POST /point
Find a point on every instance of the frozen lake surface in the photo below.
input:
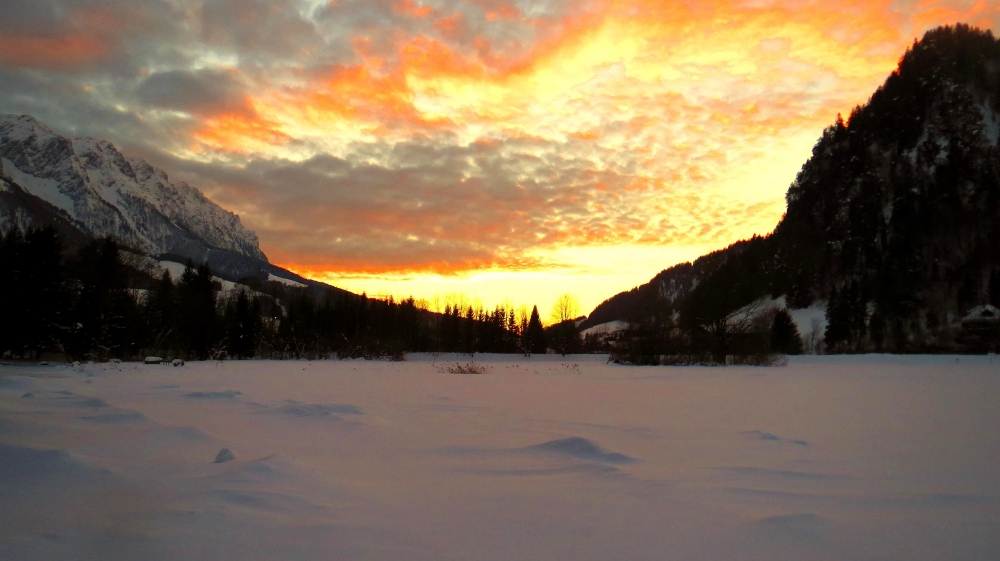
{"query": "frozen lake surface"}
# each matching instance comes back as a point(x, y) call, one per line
point(548, 458)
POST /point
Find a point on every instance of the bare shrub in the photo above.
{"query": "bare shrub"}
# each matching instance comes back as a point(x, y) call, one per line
point(469, 368)
point(706, 359)
point(373, 351)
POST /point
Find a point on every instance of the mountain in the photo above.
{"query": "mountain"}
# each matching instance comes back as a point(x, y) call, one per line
point(893, 223)
point(664, 293)
point(86, 188)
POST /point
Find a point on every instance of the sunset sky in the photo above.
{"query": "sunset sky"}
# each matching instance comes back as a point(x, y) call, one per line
point(501, 149)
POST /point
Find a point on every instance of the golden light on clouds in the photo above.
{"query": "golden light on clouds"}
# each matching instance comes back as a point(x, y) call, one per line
point(509, 150)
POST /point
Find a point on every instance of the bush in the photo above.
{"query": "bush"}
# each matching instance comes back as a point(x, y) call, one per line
point(758, 359)
point(470, 368)
point(373, 351)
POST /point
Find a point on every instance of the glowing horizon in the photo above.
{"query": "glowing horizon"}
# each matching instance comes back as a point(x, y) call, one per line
point(512, 151)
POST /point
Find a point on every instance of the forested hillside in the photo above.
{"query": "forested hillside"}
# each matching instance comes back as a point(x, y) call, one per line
point(893, 221)
point(101, 302)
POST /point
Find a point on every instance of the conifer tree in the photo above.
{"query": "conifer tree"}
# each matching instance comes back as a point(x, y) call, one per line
point(198, 317)
point(42, 288)
point(535, 334)
point(105, 315)
point(785, 336)
point(12, 300)
point(244, 324)
point(469, 332)
point(160, 313)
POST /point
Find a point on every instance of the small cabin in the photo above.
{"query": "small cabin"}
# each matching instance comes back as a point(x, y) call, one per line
point(981, 318)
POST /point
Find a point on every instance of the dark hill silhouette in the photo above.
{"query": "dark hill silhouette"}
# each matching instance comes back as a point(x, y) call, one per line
point(893, 221)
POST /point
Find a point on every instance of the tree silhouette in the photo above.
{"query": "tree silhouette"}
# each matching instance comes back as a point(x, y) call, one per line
point(785, 336)
point(31, 291)
point(535, 334)
point(106, 321)
point(566, 307)
point(197, 313)
point(160, 313)
point(243, 325)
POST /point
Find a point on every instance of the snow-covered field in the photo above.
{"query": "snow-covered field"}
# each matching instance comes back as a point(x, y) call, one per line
point(839, 458)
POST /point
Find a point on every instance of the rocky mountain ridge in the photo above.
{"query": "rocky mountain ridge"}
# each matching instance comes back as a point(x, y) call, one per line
point(86, 188)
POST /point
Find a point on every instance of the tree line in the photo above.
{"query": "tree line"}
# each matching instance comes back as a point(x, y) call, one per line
point(104, 301)
point(706, 333)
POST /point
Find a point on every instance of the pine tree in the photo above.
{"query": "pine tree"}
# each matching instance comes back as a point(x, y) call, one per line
point(785, 336)
point(535, 334)
point(12, 301)
point(160, 313)
point(243, 325)
point(994, 288)
point(106, 315)
point(469, 332)
point(198, 319)
point(42, 289)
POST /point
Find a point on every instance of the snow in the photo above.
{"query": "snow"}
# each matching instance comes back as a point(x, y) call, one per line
point(282, 280)
point(811, 322)
point(177, 269)
point(23, 127)
point(604, 328)
point(983, 311)
point(143, 208)
point(806, 318)
point(829, 458)
point(45, 189)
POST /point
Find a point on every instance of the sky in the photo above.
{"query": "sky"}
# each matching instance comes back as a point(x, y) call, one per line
point(509, 151)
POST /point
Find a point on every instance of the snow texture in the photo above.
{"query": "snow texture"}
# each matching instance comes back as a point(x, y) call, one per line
point(176, 270)
point(45, 189)
point(604, 328)
point(829, 458)
point(110, 194)
point(282, 280)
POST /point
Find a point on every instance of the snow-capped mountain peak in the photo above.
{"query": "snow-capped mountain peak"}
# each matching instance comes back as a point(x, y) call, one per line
point(104, 193)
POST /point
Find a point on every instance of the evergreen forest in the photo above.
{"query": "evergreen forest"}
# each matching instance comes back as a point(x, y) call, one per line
point(104, 302)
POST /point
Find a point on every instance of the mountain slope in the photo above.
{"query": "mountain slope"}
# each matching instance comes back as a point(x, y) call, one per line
point(664, 293)
point(895, 219)
point(86, 188)
point(91, 184)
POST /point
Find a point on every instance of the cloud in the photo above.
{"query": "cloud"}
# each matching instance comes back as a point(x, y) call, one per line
point(204, 92)
point(258, 29)
point(51, 52)
point(402, 136)
point(427, 206)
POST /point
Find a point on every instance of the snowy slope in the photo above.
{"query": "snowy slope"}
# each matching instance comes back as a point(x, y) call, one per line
point(605, 328)
point(284, 281)
point(108, 194)
point(542, 458)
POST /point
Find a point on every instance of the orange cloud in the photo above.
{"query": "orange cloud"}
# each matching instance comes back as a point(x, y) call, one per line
point(239, 133)
point(52, 52)
point(466, 138)
point(452, 26)
point(411, 8)
point(505, 11)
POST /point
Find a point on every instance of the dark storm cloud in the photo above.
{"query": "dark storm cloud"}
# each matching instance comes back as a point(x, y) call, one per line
point(63, 103)
point(258, 28)
point(199, 92)
point(89, 38)
point(29, 16)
